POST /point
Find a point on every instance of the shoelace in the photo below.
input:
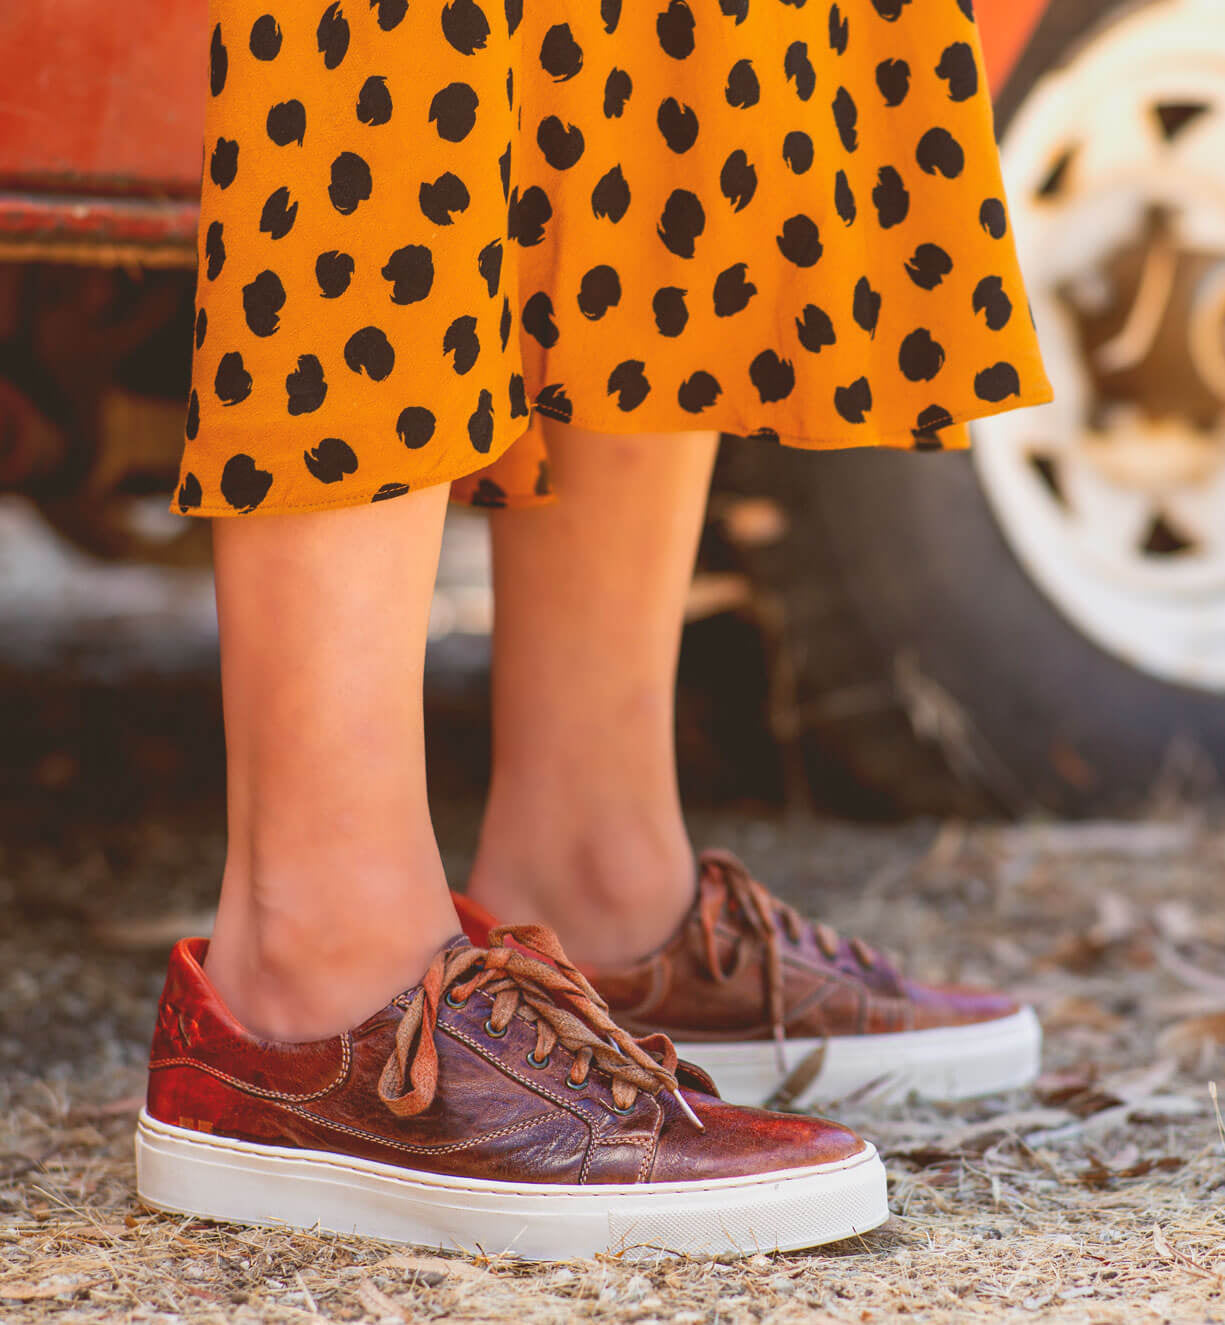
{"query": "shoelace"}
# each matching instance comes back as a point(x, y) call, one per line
point(726, 888)
point(551, 993)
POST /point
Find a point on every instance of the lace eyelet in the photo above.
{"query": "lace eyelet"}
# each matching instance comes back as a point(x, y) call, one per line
point(576, 1085)
point(453, 1002)
point(622, 1112)
point(496, 1035)
point(533, 1061)
point(863, 954)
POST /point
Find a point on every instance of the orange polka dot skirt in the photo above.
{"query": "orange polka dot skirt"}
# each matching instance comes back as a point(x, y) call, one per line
point(426, 224)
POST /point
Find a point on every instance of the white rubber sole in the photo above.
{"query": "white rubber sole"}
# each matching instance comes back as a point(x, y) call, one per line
point(947, 1063)
point(213, 1177)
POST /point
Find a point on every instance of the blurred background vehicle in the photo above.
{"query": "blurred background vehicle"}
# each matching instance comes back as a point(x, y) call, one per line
point(1040, 623)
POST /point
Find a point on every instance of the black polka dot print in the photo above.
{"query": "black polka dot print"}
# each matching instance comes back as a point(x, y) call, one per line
point(428, 226)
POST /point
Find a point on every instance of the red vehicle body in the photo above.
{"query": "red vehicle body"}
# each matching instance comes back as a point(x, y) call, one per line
point(100, 124)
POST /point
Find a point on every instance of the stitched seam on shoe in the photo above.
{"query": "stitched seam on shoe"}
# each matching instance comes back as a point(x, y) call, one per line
point(422, 1150)
point(649, 1147)
point(537, 1088)
point(797, 963)
point(636, 1140)
point(653, 1155)
point(648, 1155)
point(816, 999)
point(248, 1088)
point(585, 1172)
point(232, 1144)
point(830, 979)
point(534, 1086)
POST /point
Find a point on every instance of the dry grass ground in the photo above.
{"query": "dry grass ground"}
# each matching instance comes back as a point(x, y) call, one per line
point(1096, 1198)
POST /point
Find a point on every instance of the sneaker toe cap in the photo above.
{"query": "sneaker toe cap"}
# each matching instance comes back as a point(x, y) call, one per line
point(958, 1005)
point(740, 1142)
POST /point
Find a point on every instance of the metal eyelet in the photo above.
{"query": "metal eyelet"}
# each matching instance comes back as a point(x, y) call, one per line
point(576, 1085)
point(453, 1002)
point(489, 1030)
point(622, 1112)
point(533, 1061)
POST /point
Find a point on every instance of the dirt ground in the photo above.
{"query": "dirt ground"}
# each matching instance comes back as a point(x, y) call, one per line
point(1097, 1197)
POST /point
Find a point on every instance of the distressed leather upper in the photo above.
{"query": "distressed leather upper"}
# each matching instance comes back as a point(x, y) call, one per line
point(494, 1114)
point(744, 966)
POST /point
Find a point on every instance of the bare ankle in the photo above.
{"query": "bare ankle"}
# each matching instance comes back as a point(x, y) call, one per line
point(320, 968)
point(611, 898)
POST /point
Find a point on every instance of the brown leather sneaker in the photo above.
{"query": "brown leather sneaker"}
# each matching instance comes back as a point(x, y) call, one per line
point(496, 1105)
point(778, 1009)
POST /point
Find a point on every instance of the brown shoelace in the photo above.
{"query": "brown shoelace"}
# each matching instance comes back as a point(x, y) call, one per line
point(551, 993)
point(726, 888)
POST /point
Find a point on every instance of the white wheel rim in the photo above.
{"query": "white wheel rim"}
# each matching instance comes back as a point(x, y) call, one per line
point(1113, 499)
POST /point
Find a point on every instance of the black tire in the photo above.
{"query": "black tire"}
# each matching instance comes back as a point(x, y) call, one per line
point(925, 672)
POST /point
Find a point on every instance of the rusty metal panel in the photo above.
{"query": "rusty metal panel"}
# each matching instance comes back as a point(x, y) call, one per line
point(1006, 27)
point(101, 122)
point(106, 230)
point(102, 98)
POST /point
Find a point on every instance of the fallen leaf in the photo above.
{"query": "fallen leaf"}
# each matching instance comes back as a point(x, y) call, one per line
point(1125, 1158)
point(1074, 1010)
point(23, 1290)
point(977, 1135)
point(1178, 966)
point(1167, 1252)
point(1118, 918)
point(431, 1269)
point(925, 1157)
point(1098, 1175)
point(1162, 1247)
point(1138, 1083)
point(1176, 921)
point(1075, 1090)
point(1194, 1037)
point(377, 1303)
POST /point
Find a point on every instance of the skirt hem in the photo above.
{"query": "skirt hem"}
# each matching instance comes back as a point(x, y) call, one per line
point(895, 440)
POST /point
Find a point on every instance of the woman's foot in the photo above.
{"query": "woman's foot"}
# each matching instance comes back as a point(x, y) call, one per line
point(458, 1115)
point(779, 1009)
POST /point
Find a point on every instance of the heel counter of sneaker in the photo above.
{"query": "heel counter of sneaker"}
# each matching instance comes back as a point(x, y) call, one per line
point(179, 1091)
point(208, 1073)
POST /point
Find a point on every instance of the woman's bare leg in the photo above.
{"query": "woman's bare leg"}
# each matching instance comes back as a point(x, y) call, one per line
point(583, 830)
point(333, 898)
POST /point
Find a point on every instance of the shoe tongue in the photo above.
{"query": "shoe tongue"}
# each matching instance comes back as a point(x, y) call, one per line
point(406, 995)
